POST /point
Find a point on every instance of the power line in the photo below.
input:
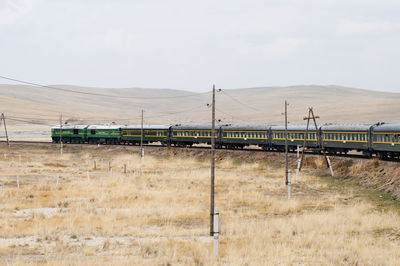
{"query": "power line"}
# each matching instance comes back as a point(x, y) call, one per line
point(100, 94)
point(27, 121)
point(240, 102)
point(36, 120)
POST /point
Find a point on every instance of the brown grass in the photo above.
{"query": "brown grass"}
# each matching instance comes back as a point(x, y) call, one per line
point(157, 213)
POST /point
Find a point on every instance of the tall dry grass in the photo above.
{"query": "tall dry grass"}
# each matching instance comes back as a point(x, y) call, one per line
point(157, 213)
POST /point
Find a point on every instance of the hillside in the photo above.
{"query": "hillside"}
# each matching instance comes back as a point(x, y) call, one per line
point(334, 104)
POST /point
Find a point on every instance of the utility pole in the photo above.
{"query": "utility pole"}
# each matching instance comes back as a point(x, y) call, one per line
point(61, 144)
point(314, 118)
point(286, 147)
point(212, 162)
point(141, 139)
point(3, 118)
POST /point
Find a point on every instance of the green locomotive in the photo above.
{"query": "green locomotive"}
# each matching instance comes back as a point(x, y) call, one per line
point(69, 133)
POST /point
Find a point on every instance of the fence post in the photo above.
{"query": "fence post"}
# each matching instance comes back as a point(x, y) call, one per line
point(328, 161)
point(289, 185)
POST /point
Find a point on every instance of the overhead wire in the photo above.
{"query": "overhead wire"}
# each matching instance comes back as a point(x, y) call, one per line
point(240, 102)
point(101, 94)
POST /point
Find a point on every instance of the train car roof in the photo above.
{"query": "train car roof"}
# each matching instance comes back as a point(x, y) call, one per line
point(193, 127)
point(311, 127)
point(387, 127)
point(245, 127)
point(346, 127)
point(68, 126)
point(146, 126)
point(104, 126)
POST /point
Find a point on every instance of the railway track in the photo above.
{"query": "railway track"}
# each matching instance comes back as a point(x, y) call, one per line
point(352, 155)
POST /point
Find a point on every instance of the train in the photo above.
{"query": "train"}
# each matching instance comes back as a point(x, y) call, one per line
point(380, 139)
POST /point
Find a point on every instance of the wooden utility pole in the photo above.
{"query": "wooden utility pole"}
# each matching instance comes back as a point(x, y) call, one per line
point(286, 147)
point(61, 144)
point(212, 162)
point(3, 119)
point(141, 139)
point(310, 116)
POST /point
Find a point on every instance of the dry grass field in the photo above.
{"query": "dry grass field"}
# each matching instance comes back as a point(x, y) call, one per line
point(66, 212)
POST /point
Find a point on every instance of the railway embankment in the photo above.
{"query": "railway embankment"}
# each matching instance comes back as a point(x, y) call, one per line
point(383, 176)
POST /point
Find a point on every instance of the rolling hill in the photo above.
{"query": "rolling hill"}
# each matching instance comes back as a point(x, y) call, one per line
point(32, 108)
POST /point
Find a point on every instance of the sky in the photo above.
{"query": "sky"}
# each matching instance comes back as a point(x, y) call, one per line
point(190, 45)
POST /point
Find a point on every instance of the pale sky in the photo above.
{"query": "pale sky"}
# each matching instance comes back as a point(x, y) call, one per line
point(192, 44)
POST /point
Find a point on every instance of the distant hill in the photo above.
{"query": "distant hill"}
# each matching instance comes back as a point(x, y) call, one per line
point(334, 104)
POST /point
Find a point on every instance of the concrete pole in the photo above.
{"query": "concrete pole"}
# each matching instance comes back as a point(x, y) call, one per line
point(141, 139)
point(286, 146)
point(61, 144)
point(216, 233)
point(212, 163)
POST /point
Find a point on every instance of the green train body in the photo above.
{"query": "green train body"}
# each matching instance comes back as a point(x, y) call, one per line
point(104, 134)
point(386, 140)
point(379, 139)
point(344, 138)
point(240, 136)
point(296, 134)
point(189, 135)
point(131, 134)
point(69, 133)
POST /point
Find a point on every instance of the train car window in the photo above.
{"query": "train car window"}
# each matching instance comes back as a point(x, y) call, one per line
point(93, 131)
point(76, 132)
